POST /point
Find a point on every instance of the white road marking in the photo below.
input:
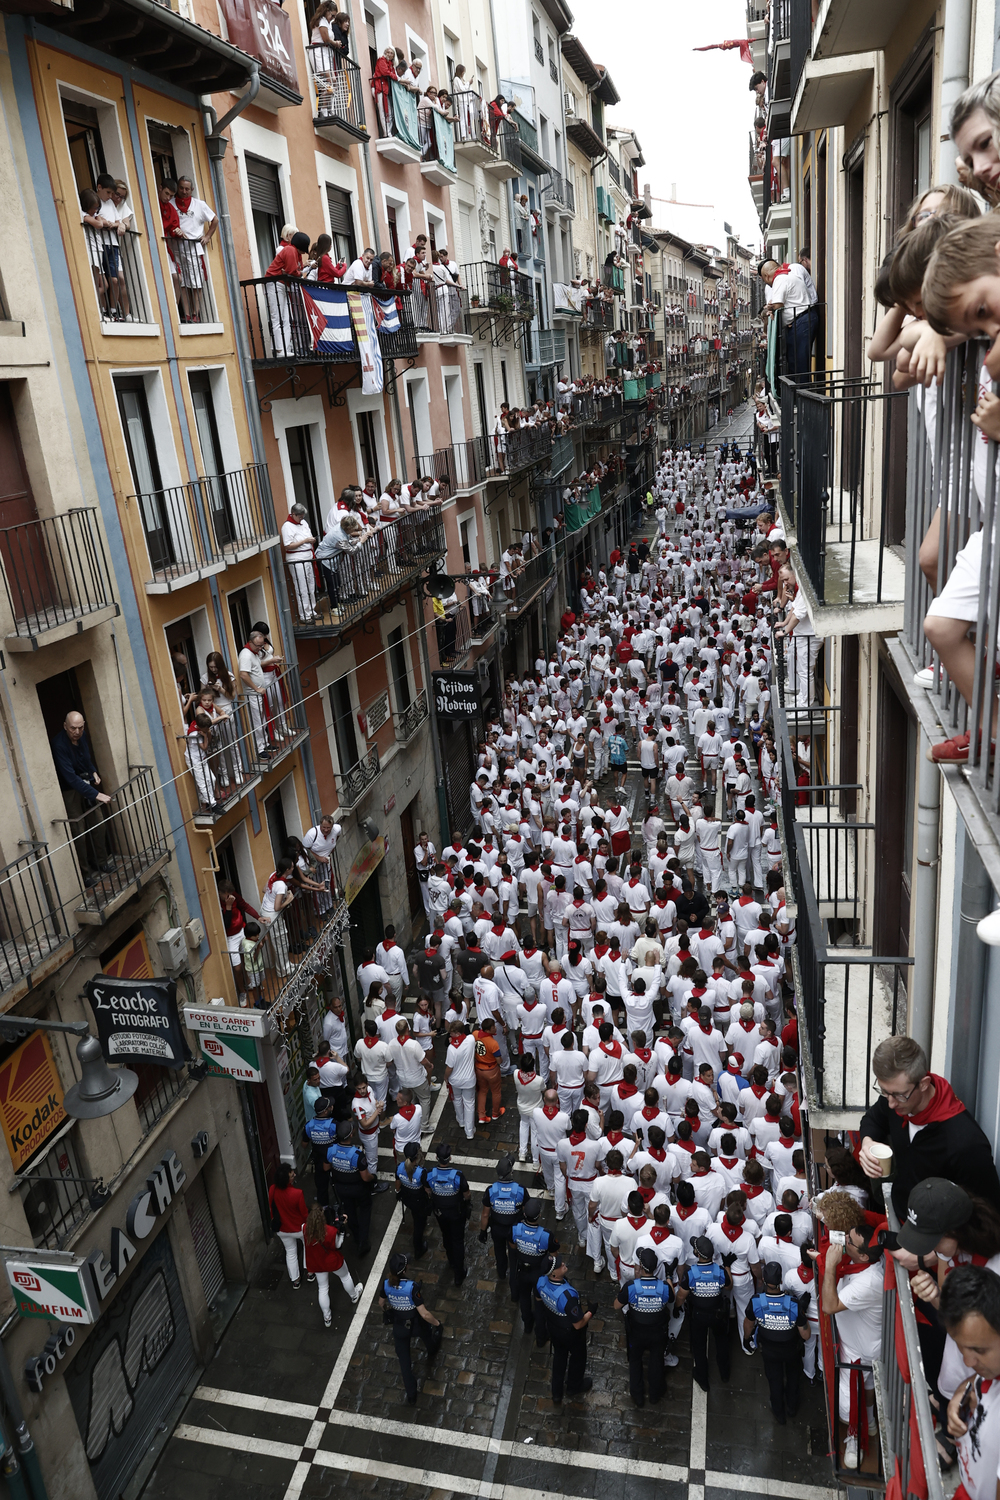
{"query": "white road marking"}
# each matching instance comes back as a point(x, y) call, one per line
point(699, 1425)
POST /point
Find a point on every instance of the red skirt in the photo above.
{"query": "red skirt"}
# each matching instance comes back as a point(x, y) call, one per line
point(621, 841)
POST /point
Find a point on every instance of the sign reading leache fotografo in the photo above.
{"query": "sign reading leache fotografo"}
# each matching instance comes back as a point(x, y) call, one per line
point(456, 695)
point(31, 1096)
point(137, 1020)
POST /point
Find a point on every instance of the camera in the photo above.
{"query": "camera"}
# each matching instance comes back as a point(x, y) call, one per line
point(838, 1237)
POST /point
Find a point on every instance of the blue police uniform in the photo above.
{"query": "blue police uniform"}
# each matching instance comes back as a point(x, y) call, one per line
point(321, 1132)
point(412, 1193)
point(347, 1162)
point(557, 1308)
point(647, 1314)
point(402, 1302)
point(505, 1200)
point(708, 1314)
point(531, 1246)
point(779, 1318)
point(447, 1187)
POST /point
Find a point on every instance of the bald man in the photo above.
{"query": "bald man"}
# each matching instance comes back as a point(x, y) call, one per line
point(84, 799)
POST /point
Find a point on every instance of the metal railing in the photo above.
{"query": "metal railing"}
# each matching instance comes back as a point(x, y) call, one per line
point(258, 730)
point(440, 307)
point(562, 453)
point(484, 135)
point(32, 921)
point(55, 571)
point(409, 720)
point(191, 281)
point(583, 407)
point(454, 634)
point(56, 1197)
point(350, 583)
point(539, 53)
point(337, 89)
point(781, 23)
point(526, 446)
point(116, 267)
point(527, 583)
point(614, 171)
point(117, 843)
point(196, 526)
point(614, 277)
point(396, 114)
point(353, 784)
point(158, 1088)
point(553, 71)
point(299, 928)
point(283, 328)
point(486, 615)
point(508, 141)
point(597, 314)
point(462, 466)
point(548, 346)
point(498, 290)
point(437, 138)
point(559, 190)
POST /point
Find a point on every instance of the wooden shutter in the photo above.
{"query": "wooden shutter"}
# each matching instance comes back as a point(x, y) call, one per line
point(265, 188)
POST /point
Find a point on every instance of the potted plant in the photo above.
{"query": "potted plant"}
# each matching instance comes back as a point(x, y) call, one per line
point(503, 302)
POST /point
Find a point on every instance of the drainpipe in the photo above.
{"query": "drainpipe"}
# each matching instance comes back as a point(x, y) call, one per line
point(217, 144)
point(970, 976)
point(925, 899)
point(956, 44)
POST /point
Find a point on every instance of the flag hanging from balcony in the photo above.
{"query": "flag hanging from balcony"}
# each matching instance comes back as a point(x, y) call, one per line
point(743, 44)
point(330, 305)
point(386, 315)
point(366, 337)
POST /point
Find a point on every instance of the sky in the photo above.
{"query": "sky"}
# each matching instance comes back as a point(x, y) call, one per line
point(692, 111)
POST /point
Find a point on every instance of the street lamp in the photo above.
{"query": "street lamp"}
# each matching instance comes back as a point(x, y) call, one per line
point(101, 1089)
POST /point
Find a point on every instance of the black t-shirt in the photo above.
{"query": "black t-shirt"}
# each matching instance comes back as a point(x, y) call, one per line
point(430, 972)
point(692, 908)
point(470, 962)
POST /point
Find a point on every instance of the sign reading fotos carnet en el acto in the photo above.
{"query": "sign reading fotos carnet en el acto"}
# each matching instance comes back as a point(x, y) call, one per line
point(456, 695)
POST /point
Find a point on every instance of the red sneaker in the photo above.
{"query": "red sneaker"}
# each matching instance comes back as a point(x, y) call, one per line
point(503, 1111)
point(951, 752)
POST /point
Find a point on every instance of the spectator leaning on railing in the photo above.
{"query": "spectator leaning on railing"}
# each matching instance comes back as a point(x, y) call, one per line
point(928, 1127)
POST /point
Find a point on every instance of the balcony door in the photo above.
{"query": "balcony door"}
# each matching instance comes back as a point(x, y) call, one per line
point(303, 467)
point(145, 468)
point(265, 208)
point(217, 493)
point(22, 549)
point(342, 710)
point(345, 246)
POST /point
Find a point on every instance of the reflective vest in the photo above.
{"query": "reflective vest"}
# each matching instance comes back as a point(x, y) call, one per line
point(400, 1298)
point(506, 1200)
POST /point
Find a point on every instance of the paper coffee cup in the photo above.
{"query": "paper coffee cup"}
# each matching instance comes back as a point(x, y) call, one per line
point(883, 1155)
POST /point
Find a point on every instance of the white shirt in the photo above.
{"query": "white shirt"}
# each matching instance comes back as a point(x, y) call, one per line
point(356, 271)
point(860, 1327)
point(195, 220)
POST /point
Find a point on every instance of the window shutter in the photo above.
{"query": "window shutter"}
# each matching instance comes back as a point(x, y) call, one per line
point(265, 189)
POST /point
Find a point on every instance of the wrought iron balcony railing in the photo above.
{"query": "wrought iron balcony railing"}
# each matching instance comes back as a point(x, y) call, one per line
point(197, 528)
point(338, 100)
point(33, 924)
point(119, 283)
point(353, 784)
point(409, 720)
point(560, 190)
point(441, 308)
point(454, 635)
point(462, 466)
point(353, 582)
point(130, 831)
point(292, 322)
point(56, 577)
point(499, 291)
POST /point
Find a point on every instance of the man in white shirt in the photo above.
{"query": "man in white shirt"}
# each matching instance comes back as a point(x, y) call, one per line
point(736, 1248)
point(297, 542)
point(373, 1059)
point(357, 272)
point(460, 1076)
point(413, 1065)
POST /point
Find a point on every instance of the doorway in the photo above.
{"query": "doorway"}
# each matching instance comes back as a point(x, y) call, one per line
point(408, 840)
point(145, 469)
point(58, 696)
point(213, 466)
point(367, 926)
point(303, 467)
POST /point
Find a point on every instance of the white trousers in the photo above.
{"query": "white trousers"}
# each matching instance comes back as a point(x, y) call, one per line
point(526, 1136)
point(370, 1142)
point(711, 868)
point(570, 1099)
point(533, 1046)
point(737, 872)
point(742, 1294)
point(291, 1243)
point(255, 702)
point(579, 1202)
point(809, 1356)
point(464, 1100)
point(554, 1179)
point(323, 1288)
point(801, 652)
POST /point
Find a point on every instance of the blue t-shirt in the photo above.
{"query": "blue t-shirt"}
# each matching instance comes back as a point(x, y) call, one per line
point(618, 750)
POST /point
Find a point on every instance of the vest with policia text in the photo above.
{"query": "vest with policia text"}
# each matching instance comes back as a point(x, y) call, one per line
point(445, 1184)
point(505, 1199)
point(776, 1316)
point(707, 1285)
point(400, 1299)
point(346, 1164)
point(649, 1301)
point(531, 1245)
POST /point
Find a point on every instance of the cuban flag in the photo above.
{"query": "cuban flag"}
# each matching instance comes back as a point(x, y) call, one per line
point(329, 317)
point(386, 315)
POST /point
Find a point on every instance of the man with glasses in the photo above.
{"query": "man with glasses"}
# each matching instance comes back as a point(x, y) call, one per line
point(929, 1129)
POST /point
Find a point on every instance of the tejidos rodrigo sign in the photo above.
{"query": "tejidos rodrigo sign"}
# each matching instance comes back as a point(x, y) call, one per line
point(456, 695)
point(137, 1020)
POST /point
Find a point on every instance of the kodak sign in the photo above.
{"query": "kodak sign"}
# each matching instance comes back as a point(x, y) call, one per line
point(31, 1098)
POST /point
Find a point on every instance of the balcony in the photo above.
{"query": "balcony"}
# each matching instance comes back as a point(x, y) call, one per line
point(462, 466)
point(614, 172)
point(56, 578)
point(338, 100)
point(842, 488)
point(353, 583)
point(487, 614)
point(305, 323)
point(584, 408)
point(529, 583)
point(397, 122)
point(633, 390)
point(440, 312)
point(559, 194)
point(196, 529)
point(614, 277)
point(261, 731)
point(609, 409)
point(437, 148)
point(553, 71)
point(354, 784)
point(132, 825)
point(600, 315)
point(33, 930)
point(828, 90)
point(519, 450)
point(454, 635)
point(408, 721)
point(507, 162)
point(539, 52)
point(473, 138)
point(547, 347)
point(119, 283)
point(846, 26)
point(498, 291)
point(562, 454)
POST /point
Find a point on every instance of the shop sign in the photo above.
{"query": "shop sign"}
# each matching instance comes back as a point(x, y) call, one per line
point(43, 1289)
point(387, 807)
point(456, 695)
point(40, 1365)
point(225, 1020)
point(369, 858)
point(137, 1020)
point(31, 1096)
point(371, 720)
point(233, 1057)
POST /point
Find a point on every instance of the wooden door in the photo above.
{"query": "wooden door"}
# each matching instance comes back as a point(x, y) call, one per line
point(408, 840)
point(22, 546)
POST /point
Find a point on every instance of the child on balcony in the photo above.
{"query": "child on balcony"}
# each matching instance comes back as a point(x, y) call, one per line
point(196, 753)
point(92, 222)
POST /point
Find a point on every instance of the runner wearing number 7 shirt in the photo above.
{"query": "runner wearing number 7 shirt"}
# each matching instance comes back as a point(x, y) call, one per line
point(577, 1157)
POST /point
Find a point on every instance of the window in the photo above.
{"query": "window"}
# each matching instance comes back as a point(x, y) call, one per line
point(213, 465)
point(161, 148)
point(158, 1088)
point(371, 38)
point(390, 214)
point(369, 449)
point(141, 447)
point(463, 536)
point(503, 380)
point(265, 207)
point(343, 723)
point(277, 828)
point(484, 422)
point(54, 1201)
point(338, 204)
point(399, 669)
point(86, 148)
point(303, 467)
point(189, 642)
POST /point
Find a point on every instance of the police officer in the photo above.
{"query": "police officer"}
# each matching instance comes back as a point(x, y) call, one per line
point(411, 1190)
point(703, 1288)
point(321, 1133)
point(561, 1321)
point(782, 1329)
point(352, 1182)
point(646, 1303)
point(451, 1202)
point(531, 1248)
point(503, 1202)
point(402, 1303)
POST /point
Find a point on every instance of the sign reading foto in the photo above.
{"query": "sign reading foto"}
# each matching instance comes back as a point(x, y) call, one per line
point(44, 1290)
point(137, 1020)
point(225, 1020)
point(31, 1096)
point(456, 695)
point(233, 1057)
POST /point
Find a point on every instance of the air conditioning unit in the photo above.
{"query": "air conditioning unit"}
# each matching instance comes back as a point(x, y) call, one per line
point(569, 105)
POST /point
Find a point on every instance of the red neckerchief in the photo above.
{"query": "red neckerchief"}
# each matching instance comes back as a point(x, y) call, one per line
point(683, 954)
point(636, 1223)
point(614, 1136)
point(183, 204)
point(428, 953)
point(773, 1042)
point(731, 1231)
point(498, 931)
point(804, 1273)
point(406, 1110)
point(747, 1026)
point(706, 1030)
point(687, 1146)
point(589, 1104)
point(649, 1112)
point(728, 1161)
point(658, 1153)
point(705, 1173)
point(759, 1090)
point(625, 1090)
point(634, 882)
point(456, 1041)
point(645, 1053)
point(601, 948)
point(524, 1076)
point(704, 933)
point(550, 1111)
point(578, 904)
point(577, 1137)
point(371, 1041)
point(530, 1004)
point(612, 1048)
point(945, 1104)
point(615, 810)
point(685, 1213)
point(390, 1011)
point(388, 944)
point(771, 1119)
point(646, 1193)
point(751, 1192)
point(786, 1140)
point(783, 1239)
point(528, 952)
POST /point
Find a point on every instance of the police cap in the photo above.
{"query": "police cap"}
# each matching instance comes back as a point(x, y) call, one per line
point(397, 1265)
point(345, 1130)
point(505, 1165)
point(531, 1210)
point(647, 1259)
point(773, 1273)
point(703, 1247)
point(411, 1151)
point(443, 1151)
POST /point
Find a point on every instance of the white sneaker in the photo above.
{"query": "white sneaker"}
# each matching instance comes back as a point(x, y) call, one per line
point(851, 1453)
point(359, 1287)
point(670, 1360)
point(599, 1265)
point(924, 678)
point(522, 1156)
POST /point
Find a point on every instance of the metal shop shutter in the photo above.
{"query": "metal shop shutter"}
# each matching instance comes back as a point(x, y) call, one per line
point(206, 1244)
